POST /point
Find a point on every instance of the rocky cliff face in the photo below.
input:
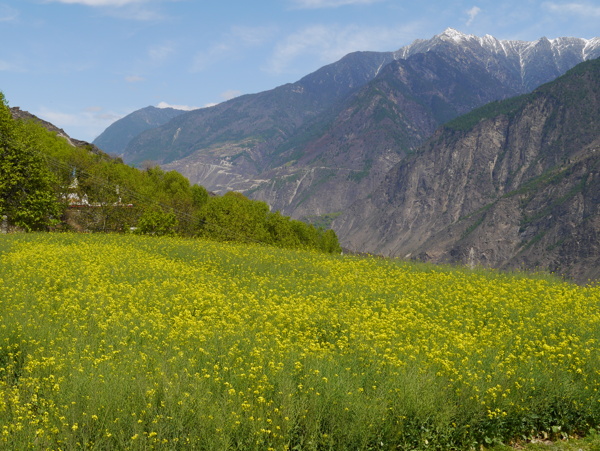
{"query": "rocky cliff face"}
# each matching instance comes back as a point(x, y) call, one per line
point(514, 184)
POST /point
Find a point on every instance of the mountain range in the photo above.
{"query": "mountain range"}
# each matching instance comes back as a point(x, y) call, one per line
point(514, 184)
point(328, 146)
point(310, 148)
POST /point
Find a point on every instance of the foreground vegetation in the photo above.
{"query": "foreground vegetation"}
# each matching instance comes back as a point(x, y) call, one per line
point(589, 443)
point(134, 342)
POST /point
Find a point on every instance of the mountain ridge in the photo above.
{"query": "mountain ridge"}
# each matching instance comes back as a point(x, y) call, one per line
point(241, 144)
point(117, 136)
point(377, 127)
point(246, 122)
point(473, 86)
point(560, 54)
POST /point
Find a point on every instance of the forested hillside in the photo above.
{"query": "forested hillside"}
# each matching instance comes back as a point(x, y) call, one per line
point(47, 183)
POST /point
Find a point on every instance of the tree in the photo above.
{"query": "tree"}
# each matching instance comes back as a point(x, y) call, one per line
point(281, 231)
point(27, 196)
point(156, 221)
point(330, 243)
point(234, 217)
point(199, 196)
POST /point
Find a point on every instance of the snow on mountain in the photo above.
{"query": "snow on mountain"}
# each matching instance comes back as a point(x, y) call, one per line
point(531, 63)
point(591, 48)
point(588, 48)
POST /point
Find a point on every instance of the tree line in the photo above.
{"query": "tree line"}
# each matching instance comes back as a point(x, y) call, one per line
point(48, 184)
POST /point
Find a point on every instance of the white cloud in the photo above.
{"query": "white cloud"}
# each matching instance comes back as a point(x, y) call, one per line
point(138, 13)
point(177, 107)
point(122, 9)
point(7, 13)
point(160, 53)
point(100, 2)
point(85, 125)
point(231, 44)
point(58, 118)
point(250, 36)
point(330, 43)
point(225, 95)
point(204, 59)
point(472, 13)
point(5, 66)
point(230, 94)
point(316, 4)
point(134, 79)
point(579, 9)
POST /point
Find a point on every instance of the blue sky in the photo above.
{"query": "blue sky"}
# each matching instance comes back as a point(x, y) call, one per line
point(82, 64)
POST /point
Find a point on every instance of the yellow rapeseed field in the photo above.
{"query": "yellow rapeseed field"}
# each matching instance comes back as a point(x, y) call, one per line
point(129, 342)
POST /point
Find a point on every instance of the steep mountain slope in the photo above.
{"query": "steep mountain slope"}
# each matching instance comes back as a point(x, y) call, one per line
point(118, 135)
point(348, 152)
point(347, 155)
point(240, 132)
point(515, 183)
point(18, 113)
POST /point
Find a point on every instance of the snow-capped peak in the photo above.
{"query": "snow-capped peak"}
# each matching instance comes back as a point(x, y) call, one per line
point(454, 35)
point(549, 56)
point(491, 44)
point(590, 50)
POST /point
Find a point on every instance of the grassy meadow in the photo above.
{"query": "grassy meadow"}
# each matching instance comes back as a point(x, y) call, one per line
point(131, 342)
